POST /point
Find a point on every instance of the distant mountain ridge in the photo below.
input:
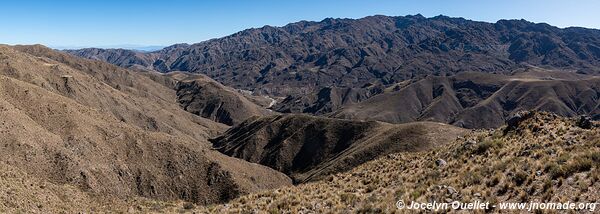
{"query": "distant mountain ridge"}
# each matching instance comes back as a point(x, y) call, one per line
point(478, 100)
point(306, 56)
point(142, 48)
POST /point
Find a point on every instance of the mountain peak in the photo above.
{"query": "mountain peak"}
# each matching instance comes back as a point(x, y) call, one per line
point(353, 52)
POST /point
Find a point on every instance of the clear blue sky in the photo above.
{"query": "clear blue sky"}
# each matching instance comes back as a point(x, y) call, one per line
point(111, 22)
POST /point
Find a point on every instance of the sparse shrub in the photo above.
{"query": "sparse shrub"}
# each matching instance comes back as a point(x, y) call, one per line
point(274, 210)
point(503, 189)
point(501, 166)
point(483, 147)
point(547, 185)
point(520, 177)
point(523, 196)
point(472, 178)
point(487, 145)
point(494, 181)
point(368, 208)
point(594, 157)
point(434, 175)
point(548, 196)
point(188, 205)
point(417, 193)
point(596, 143)
point(563, 158)
point(582, 186)
point(370, 188)
point(554, 170)
point(580, 164)
point(594, 176)
point(348, 198)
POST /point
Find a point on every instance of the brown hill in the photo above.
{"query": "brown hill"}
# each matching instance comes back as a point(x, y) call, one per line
point(309, 148)
point(326, 100)
point(305, 56)
point(478, 100)
point(121, 57)
point(543, 158)
point(127, 95)
point(203, 96)
point(97, 129)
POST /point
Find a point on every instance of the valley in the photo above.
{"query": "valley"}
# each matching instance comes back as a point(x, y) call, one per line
point(334, 116)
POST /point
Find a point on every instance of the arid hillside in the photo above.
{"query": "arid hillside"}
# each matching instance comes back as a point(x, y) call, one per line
point(479, 100)
point(98, 130)
point(308, 148)
point(326, 100)
point(207, 98)
point(538, 157)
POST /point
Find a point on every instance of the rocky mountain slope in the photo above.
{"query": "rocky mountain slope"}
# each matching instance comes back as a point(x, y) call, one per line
point(305, 56)
point(105, 133)
point(478, 100)
point(207, 98)
point(539, 157)
point(121, 57)
point(326, 100)
point(308, 148)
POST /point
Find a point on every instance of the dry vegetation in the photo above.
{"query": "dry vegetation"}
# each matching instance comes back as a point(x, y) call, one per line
point(308, 148)
point(90, 132)
point(545, 158)
point(77, 135)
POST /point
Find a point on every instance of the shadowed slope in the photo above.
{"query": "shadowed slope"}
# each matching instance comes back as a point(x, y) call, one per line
point(308, 148)
point(542, 158)
point(205, 97)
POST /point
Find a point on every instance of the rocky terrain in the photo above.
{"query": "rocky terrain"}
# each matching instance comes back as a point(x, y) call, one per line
point(306, 56)
point(121, 57)
point(341, 115)
point(539, 157)
point(392, 69)
point(75, 131)
point(479, 100)
point(308, 148)
point(207, 98)
point(326, 100)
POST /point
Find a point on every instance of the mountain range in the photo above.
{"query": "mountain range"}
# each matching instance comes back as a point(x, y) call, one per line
point(397, 69)
point(306, 56)
point(86, 135)
point(346, 115)
point(140, 48)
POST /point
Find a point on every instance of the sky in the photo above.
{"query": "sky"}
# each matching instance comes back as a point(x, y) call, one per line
point(116, 23)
